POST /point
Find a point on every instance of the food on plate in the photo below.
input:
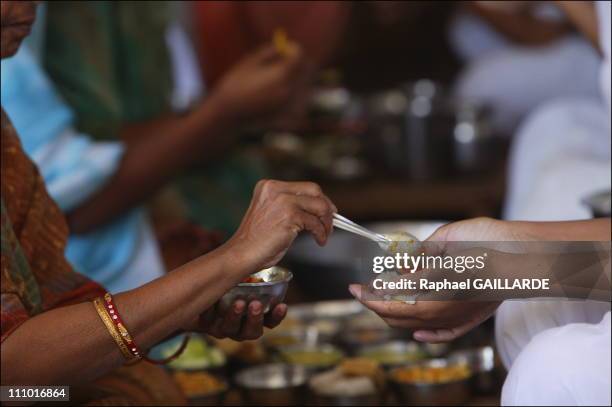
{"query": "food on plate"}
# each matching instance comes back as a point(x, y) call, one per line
point(198, 384)
point(315, 356)
point(355, 377)
point(245, 351)
point(197, 355)
point(393, 356)
point(431, 374)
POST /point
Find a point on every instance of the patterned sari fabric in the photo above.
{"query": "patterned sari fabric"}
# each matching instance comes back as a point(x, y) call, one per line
point(37, 278)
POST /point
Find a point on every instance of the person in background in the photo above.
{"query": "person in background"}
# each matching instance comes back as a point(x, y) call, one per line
point(518, 55)
point(102, 185)
point(127, 93)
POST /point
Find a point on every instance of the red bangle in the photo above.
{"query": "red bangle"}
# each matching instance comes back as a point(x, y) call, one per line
point(116, 318)
point(129, 341)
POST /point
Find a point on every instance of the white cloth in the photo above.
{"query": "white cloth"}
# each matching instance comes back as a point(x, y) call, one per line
point(514, 79)
point(558, 351)
point(563, 353)
point(560, 155)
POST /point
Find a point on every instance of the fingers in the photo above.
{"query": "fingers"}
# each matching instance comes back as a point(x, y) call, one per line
point(385, 309)
point(443, 335)
point(275, 317)
point(252, 327)
point(232, 319)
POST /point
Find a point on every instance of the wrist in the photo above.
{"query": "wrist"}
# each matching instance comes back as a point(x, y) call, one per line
point(224, 109)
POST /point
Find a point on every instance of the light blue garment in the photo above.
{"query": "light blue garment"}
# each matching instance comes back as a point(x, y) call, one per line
point(73, 166)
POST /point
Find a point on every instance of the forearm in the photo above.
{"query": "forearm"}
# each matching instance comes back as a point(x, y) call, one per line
point(580, 230)
point(155, 152)
point(71, 345)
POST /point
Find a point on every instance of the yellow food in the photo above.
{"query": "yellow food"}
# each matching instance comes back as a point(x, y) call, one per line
point(198, 384)
point(431, 374)
point(359, 367)
point(282, 43)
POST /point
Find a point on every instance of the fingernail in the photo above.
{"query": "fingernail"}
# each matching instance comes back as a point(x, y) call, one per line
point(255, 310)
point(355, 291)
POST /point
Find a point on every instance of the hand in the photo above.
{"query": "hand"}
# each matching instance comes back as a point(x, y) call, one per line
point(240, 322)
point(262, 83)
point(442, 321)
point(278, 212)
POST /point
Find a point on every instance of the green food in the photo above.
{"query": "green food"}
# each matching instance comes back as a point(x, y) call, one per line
point(197, 355)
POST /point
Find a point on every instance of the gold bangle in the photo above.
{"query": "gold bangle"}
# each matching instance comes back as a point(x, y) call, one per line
point(106, 319)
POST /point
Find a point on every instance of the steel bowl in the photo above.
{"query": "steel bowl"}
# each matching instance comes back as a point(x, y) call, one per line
point(405, 352)
point(270, 292)
point(445, 393)
point(481, 361)
point(334, 356)
point(273, 384)
point(275, 340)
point(599, 203)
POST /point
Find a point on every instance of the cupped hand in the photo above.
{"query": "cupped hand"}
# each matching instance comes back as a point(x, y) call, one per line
point(278, 212)
point(443, 321)
point(241, 321)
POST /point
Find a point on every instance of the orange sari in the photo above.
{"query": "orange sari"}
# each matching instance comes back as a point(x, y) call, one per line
point(36, 277)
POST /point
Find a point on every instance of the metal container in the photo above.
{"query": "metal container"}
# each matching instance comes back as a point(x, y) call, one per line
point(446, 393)
point(276, 340)
point(599, 203)
point(419, 131)
point(394, 353)
point(481, 361)
point(273, 384)
point(308, 356)
point(270, 292)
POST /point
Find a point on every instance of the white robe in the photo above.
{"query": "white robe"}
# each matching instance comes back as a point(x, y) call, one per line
point(558, 352)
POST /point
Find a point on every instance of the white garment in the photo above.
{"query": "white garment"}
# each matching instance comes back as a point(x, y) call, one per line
point(558, 351)
point(564, 354)
point(560, 155)
point(513, 79)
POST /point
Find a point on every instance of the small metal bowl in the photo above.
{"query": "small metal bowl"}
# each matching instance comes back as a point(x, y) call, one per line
point(269, 292)
point(445, 393)
point(358, 338)
point(394, 353)
point(303, 335)
point(332, 356)
point(273, 384)
point(486, 379)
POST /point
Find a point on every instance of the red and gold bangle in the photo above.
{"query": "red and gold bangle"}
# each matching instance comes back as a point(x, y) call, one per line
point(118, 322)
point(112, 330)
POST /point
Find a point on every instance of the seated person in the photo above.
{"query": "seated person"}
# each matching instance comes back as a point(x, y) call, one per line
point(509, 50)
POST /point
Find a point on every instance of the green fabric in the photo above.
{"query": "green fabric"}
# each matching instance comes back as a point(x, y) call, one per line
point(110, 61)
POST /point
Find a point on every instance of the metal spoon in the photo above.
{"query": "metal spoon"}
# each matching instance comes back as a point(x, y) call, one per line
point(385, 243)
point(343, 223)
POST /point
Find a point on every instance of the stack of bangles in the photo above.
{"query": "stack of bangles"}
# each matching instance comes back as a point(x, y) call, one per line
point(108, 313)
